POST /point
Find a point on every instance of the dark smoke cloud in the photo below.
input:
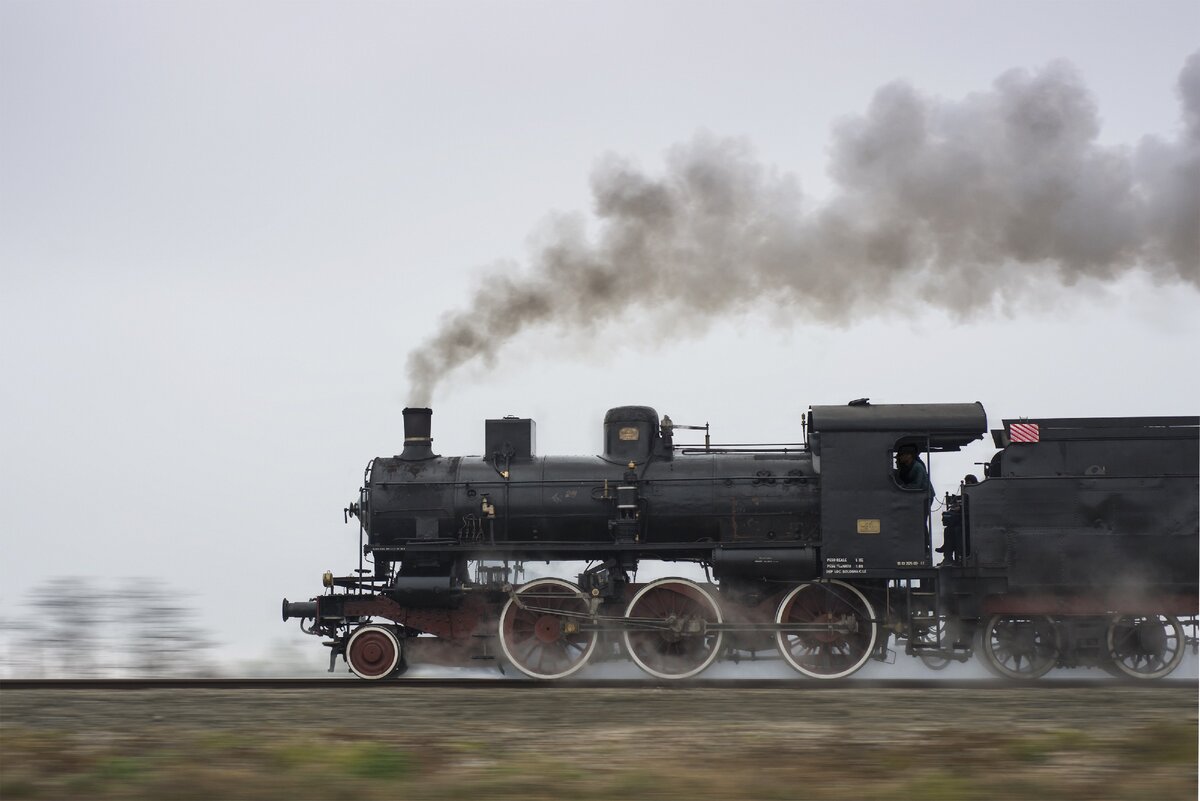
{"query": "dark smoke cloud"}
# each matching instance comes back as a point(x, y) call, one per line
point(962, 205)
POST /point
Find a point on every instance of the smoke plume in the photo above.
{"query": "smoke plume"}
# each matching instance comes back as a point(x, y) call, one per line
point(958, 204)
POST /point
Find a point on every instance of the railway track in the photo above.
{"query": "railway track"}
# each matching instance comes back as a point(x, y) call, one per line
point(357, 685)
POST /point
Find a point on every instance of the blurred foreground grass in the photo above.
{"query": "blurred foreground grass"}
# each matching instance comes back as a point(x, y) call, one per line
point(1157, 761)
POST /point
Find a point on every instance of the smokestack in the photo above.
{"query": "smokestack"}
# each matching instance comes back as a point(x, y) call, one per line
point(418, 445)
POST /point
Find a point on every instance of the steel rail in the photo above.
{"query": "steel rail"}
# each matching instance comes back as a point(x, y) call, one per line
point(798, 683)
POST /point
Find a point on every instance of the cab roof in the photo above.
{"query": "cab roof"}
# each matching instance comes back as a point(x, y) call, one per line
point(948, 426)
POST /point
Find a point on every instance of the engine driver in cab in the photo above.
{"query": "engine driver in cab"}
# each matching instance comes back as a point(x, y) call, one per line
point(911, 472)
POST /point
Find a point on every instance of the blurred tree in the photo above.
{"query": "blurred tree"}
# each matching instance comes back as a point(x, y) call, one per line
point(20, 656)
point(67, 626)
point(76, 627)
point(161, 633)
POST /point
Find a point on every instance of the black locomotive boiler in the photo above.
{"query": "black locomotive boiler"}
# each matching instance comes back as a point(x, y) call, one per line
point(1078, 547)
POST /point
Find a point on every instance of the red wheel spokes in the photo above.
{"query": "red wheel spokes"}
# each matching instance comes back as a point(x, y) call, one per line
point(837, 651)
point(680, 644)
point(534, 629)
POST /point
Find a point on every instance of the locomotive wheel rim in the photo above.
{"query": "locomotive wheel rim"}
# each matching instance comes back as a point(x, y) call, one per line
point(856, 649)
point(661, 599)
point(1125, 646)
point(525, 634)
point(1011, 638)
point(373, 652)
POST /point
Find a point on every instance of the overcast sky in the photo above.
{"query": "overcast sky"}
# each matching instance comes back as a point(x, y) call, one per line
point(224, 227)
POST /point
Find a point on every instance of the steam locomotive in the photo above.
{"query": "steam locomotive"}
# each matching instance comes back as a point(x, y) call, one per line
point(1077, 548)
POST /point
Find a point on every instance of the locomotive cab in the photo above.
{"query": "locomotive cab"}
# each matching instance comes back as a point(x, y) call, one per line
point(872, 525)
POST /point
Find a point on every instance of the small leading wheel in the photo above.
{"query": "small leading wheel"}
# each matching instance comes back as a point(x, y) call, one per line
point(540, 629)
point(1145, 646)
point(373, 652)
point(934, 662)
point(935, 633)
point(670, 638)
point(1021, 647)
point(841, 648)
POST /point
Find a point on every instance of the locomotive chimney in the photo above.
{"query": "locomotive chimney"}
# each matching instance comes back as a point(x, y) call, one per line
point(418, 444)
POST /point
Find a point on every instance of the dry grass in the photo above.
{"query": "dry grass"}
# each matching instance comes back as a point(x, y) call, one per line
point(1156, 761)
point(547, 749)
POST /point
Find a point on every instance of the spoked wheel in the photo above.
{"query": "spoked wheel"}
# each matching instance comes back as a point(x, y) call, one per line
point(1021, 647)
point(373, 652)
point(1145, 646)
point(674, 641)
point(540, 629)
point(842, 648)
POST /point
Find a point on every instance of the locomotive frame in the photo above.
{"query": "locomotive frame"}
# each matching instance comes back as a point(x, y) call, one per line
point(815, 552)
